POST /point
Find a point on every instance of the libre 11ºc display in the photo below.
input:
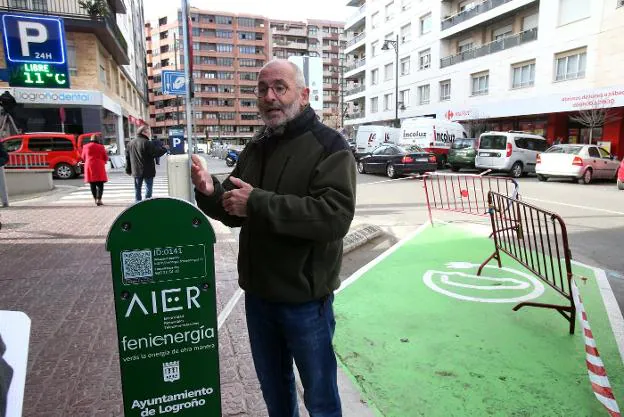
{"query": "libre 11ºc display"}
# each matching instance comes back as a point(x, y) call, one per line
point(39, 76)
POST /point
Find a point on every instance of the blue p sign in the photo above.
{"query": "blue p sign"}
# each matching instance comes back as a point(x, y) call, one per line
point(38, 39)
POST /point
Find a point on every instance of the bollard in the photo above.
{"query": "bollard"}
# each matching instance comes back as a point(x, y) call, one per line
point(164, 292)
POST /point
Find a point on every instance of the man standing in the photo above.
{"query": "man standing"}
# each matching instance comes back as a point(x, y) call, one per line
point(4, 158)
point(293, 195)
point(141, 154)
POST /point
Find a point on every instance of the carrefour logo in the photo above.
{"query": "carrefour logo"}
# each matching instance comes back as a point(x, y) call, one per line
point(49, 97)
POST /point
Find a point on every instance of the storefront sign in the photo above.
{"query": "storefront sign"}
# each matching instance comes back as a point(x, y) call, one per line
point(35, 51)
point(164, 290)
point(555, 103)
point(60, 97)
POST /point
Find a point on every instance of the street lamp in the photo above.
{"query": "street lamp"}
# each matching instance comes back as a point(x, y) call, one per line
point(395, 45)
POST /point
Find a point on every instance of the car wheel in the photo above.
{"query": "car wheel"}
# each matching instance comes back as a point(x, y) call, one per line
point(64, 171)
point(516, 170)
point(541, 177)
point(360, 167)
point(620, 185)
point(454, 168)
point(587, 176)
point(390, 171)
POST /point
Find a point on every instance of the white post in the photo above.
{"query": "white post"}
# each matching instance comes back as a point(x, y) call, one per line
point(188, 108)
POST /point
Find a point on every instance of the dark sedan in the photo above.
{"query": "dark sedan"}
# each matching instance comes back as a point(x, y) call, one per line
point(394, 161)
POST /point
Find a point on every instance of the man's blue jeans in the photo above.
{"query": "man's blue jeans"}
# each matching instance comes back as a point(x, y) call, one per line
point(138, 183)
point(279, 333)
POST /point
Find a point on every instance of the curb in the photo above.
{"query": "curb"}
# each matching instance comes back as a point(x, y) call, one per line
point(359, 236)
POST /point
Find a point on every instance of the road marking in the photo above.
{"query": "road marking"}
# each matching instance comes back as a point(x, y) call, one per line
point(572, 205)
point(227, 310)
point(390, 180)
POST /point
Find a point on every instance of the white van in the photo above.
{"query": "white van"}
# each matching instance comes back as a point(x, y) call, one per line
point(433, 135)
point(513, 152)
point(370, 136)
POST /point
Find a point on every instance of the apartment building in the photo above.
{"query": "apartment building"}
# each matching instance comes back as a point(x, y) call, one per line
point(228, 51)
point(106, 67)
point(506, 64)
point(320, 38)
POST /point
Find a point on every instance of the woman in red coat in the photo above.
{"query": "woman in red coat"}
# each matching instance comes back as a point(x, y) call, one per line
point(95, 158)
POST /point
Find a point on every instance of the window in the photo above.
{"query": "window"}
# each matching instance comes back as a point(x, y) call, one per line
point(246, 22)
point(480, 83)
point(530, 22)
point(467, 5)
point(406, 5)
point(502, 32)
point(389, 36)
point(388, 101)
point(593, 151)
point(224, 34)
point(374, 46)
point(71, 57)
point(375, 77)
point(445, 90)
point(388, 70)
point(570, 65)
point(523, 75)
point(390, 11)
point(102, 72)
point(424, 59)
point(406, 33)
point(573, 10)
point(249, 116)
point(405, 65)
point(375, 20)
point(465, 45)
point(222, 47)
point(40, 144)
point(249, 50)
point(425, 24)
point(245, 62)
point(225, 75)
point(249, 76)
point(223, 20)
point(225, 62)
point(12, 145)
point(374, 104)
point(404, 98)
point(423, 94)
point(604, 153)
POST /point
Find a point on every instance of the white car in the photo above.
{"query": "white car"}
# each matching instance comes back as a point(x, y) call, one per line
point(577, 162)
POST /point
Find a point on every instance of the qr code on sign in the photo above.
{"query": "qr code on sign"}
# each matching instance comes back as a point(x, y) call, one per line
point(137, 265)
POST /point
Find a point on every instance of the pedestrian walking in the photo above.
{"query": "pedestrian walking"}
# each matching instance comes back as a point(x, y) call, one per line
point(141, 162)
point(293, 195)
point(4, 159)
point(95, 158)
point(158, 144)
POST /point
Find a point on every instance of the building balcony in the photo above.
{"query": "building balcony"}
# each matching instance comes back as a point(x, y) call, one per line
point(77, 19)
point(289, 44)
point(355, 90)
point(491, 48)
point(355, 65)
point(356, 39)
point(478, 9)
point(356, 115)
point(290, 31)
point(357, 18)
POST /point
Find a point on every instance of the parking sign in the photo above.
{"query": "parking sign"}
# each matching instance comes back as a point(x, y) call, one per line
point(173, 83)
point(34, 48)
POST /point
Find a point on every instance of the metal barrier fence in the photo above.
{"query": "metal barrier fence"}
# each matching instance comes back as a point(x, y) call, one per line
point(27, 160)
point(538, 240)
point(465, 193)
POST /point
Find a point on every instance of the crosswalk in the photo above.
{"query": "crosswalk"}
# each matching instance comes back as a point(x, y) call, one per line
point(118, 190)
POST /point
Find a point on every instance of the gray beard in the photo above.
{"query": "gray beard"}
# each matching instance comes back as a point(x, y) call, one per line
point(291, 113)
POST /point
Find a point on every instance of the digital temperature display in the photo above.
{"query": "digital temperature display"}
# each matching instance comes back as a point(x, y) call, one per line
point(39, 76)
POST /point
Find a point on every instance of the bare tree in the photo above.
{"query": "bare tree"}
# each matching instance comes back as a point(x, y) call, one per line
point(476, 125)
point(594, 118)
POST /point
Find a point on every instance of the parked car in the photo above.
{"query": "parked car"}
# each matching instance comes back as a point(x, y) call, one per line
point(577, 162)
point(512, 152)
point(620, 178)
point(394, 160)
point(462, 154)
point(62, 150)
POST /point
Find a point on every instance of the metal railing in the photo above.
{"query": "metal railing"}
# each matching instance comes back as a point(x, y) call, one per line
point(470, 13)
point(538, 240)
point(356, 115)
point(355, 90)
point(27, 161)
point(356, 39)
point(467, 194)
point(69, 9)
point(491, 48)
point(356, 16)
point(356, 64)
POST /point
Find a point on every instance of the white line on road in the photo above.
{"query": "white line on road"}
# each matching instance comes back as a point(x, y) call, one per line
point(227, 310)
point(572, 205)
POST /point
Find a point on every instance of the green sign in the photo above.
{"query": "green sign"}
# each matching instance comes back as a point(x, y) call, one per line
point(39, 76)
point(164, 289)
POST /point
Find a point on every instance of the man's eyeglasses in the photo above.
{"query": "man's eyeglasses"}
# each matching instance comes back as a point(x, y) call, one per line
point(279, 90)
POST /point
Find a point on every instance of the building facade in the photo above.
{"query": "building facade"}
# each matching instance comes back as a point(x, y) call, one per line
point(320, 38)
point(108, 92)
point(527, 65)
point(228, 51)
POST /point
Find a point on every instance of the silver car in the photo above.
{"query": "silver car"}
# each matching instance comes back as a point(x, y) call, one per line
point(512, 152)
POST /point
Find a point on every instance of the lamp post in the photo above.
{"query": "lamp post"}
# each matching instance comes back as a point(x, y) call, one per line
point(395, 45)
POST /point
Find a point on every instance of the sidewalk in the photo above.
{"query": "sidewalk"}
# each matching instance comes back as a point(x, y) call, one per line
point(55, 269)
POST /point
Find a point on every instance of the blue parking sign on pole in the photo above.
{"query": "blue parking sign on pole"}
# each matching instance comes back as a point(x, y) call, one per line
point(176, 141)
point(35, 52)
point(173, 83)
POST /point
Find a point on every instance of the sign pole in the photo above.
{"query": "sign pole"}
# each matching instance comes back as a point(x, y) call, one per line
point(188, 107)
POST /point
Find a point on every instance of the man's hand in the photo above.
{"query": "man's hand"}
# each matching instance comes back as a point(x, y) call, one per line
point(235, 201)
point(201, 177)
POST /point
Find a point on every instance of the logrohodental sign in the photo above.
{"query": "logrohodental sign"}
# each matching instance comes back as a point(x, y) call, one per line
point(164, 292)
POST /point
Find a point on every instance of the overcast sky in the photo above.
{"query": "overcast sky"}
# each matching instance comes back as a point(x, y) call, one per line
point(275, 9)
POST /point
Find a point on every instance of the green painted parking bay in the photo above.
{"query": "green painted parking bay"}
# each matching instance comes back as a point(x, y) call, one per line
point(422, 336)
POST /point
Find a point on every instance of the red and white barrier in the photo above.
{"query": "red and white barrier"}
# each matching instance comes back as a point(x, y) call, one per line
point(595, 367)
